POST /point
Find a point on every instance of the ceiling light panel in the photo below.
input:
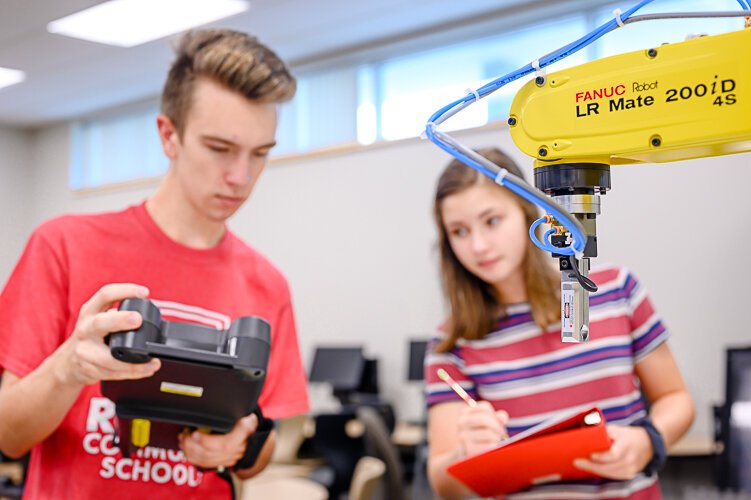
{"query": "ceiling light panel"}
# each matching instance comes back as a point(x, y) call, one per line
point(10, 77)
point(126, 23)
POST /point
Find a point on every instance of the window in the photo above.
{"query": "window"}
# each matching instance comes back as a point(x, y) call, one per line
point(415, 86)
point(115, 149)
point(647, 34)
point(322, 113)
point(393, 97)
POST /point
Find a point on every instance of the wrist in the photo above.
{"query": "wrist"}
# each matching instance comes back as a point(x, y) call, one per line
point(255, 442)
point(448, 457)
point(60, 364)
point(656, 446)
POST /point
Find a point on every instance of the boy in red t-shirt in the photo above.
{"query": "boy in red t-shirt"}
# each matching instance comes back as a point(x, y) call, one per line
point(218, 123)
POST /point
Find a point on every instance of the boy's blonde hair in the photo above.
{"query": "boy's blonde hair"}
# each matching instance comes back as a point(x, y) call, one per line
point(234, 59)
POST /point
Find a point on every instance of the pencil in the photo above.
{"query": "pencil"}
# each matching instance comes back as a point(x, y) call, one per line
point(456, 387)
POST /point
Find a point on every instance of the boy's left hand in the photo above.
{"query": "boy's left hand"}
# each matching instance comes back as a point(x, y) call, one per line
point(630, 452)
point(218, 450)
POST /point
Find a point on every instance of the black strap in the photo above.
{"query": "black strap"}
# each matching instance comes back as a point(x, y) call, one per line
point(255, 441)
point(660, 451)
point(225, 474)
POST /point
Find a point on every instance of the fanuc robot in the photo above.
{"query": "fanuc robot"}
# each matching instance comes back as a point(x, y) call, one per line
point(673, 102)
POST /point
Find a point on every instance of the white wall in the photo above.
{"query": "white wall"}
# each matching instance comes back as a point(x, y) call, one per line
point(15, 202)
point(683, 229)
point(50, 153)
point(353, 233)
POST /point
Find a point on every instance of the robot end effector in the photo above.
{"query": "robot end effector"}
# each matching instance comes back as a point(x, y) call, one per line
point(577, 188)
point(675, 102)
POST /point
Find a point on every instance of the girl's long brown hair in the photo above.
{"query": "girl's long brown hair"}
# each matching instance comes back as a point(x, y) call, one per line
point(474, 305)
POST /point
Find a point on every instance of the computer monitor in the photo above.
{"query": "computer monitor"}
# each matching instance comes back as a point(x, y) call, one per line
point(737, 449)
point(738, 382)
point(417, 350)
point(369, 379)
point(342, 367)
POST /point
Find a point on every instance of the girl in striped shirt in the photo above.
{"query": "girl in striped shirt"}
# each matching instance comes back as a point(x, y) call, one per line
point(502, 344)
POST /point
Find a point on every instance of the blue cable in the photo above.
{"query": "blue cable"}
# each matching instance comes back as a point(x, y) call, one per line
point(547, 235)
point(579, 238)
point(545, 244)
point(547, 60)
point(533, 236)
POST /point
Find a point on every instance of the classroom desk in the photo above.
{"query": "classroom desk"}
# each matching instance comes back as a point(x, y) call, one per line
point(405, 433)
point(694, 445)
point(12, 470)
point(282, 487)
point(408, 434)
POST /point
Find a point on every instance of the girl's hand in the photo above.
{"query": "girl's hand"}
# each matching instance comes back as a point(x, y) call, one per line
point(630, 452)
point(481, 428)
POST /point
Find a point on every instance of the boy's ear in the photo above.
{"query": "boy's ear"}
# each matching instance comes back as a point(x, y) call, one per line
point(167, 135)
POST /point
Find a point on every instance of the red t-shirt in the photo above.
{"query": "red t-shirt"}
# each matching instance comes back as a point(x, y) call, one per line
point(68, 259)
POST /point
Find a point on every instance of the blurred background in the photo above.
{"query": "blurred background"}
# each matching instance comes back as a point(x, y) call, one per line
point(345, 207)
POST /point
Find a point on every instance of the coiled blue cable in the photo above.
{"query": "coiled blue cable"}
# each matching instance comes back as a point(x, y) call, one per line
point(547, 235)
point(545, 244)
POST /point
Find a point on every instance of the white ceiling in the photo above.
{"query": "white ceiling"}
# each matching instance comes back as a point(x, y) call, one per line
point(69, 78)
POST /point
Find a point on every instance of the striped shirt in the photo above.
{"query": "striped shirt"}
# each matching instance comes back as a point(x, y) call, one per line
point(533, 375)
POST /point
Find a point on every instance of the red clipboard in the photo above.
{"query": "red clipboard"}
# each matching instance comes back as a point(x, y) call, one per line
point(541, 454)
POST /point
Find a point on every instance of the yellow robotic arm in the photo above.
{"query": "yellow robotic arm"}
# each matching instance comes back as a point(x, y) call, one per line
point(673, 102)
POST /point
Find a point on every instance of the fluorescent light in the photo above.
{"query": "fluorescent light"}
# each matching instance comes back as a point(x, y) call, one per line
point(10, 77)
point(126, 23)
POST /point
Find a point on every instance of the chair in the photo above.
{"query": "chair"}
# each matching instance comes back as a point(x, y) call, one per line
point(368, 472)
point(12, 476)
point(734, 423)
point(418, 349)
point(285, 464)
point(290, 433)
point(340, 448)
point(282, 487)
point(378, 444)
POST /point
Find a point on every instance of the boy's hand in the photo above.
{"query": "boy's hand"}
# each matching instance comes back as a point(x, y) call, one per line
point(218, 450)
point(85, 358)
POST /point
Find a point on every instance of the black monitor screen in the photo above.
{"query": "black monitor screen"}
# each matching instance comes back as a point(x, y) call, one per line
point(736, 458)
point(416, 359)
point(739, 375)
point(342, 367)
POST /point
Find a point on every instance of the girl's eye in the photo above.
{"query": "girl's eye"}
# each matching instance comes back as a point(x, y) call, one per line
point(494, 221)
point(459, 232)
point(219, 149)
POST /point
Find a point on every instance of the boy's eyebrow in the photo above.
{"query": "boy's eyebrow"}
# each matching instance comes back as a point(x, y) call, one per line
point(216, 138)
point(268, 145)
point(228, 142)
